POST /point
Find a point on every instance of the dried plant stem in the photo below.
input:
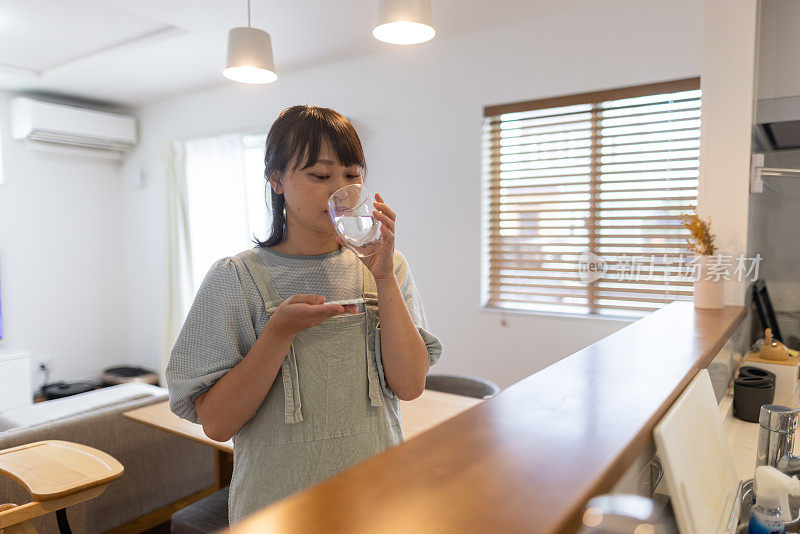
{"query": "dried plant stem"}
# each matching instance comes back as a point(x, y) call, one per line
point(701, 241)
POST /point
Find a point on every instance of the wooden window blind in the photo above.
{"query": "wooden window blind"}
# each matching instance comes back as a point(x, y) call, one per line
point(602, 175)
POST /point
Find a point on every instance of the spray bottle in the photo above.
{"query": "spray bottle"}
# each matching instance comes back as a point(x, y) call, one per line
point(771, 511)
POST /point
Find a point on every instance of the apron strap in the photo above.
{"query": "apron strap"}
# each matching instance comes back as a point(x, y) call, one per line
point(370, 287)
point(291, 378)
point(262, 278)
point(370, 294)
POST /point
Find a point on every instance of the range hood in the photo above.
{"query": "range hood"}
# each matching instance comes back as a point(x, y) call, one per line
point(778, 123)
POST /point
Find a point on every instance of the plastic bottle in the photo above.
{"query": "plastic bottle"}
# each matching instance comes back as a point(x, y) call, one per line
point(771, 511)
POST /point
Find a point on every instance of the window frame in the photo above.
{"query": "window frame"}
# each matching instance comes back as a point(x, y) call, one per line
point(593, 98)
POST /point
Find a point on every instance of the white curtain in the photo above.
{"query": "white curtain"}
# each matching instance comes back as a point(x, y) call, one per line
point(215, 206)
point(218, 209)
point(180, 282)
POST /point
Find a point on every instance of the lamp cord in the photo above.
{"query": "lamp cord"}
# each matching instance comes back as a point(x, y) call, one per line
point(248, 13)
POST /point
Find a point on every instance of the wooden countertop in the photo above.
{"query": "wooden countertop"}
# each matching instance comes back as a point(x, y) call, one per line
point(528, 459)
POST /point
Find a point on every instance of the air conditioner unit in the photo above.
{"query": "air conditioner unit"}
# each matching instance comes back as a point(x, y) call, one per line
point(50, 125)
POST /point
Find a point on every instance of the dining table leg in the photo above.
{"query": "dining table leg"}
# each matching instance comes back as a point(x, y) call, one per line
point(223, 468)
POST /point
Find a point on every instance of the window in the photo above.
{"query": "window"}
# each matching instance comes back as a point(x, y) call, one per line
point(259, 199)
point(226, 198)
point(583, 196)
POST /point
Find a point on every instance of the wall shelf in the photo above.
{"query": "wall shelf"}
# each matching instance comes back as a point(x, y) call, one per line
point(758, 171)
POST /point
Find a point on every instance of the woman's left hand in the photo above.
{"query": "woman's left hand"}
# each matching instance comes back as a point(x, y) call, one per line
point(381, 264)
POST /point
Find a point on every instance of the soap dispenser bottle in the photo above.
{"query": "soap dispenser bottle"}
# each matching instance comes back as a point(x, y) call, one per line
point(771, 511)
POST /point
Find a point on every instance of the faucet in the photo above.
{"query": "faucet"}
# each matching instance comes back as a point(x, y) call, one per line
point(776, 438)
point(777, 426)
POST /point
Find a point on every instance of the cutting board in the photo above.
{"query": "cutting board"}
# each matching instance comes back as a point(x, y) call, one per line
point(698, 463)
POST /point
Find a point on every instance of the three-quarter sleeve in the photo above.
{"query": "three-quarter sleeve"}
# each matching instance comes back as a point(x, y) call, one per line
point(413, 302)
point(216, 335)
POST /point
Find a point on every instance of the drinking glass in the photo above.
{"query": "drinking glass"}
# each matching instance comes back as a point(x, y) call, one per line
point(350, 209)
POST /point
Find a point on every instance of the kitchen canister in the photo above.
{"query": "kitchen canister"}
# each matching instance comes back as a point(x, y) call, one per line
point(753, 388)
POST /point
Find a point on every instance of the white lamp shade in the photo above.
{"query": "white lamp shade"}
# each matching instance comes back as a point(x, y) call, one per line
point(250, 56)
point(404, 21)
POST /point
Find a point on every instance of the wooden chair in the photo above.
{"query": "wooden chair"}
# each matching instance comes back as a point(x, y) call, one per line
point(57, 474)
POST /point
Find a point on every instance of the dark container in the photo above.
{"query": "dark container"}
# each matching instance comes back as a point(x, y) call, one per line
point(752, 389)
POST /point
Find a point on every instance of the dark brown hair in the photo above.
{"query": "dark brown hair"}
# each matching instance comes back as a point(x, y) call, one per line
point(296, 137)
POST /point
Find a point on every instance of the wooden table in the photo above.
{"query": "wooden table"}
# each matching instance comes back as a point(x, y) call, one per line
point(426, 411)
point(529, 458)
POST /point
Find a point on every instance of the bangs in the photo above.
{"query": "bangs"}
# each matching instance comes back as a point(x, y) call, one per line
point(318, 126)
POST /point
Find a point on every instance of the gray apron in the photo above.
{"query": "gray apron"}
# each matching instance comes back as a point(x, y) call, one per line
point(328, 408)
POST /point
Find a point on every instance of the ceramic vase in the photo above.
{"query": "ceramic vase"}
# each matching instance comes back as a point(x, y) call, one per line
point(709, 294)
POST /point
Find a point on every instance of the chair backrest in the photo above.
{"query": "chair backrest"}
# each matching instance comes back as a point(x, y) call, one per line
point(208, 515)
point(462, 385)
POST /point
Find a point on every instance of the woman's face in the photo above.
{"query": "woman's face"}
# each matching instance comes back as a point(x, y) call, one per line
point(306, 191)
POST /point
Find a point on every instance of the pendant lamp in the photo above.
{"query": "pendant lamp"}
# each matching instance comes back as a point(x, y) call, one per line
point(404, 22)
point(250, 55)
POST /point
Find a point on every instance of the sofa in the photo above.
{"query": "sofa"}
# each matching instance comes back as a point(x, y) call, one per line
point(160, 468)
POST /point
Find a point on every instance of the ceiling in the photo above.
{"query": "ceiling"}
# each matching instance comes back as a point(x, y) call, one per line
point(134, 52)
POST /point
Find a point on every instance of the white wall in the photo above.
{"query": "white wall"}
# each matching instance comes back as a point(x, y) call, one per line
point(728, 84)
point(62, 262)
point(419, 113)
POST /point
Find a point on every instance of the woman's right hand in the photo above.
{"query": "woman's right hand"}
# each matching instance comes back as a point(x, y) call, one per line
point(300, 312)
